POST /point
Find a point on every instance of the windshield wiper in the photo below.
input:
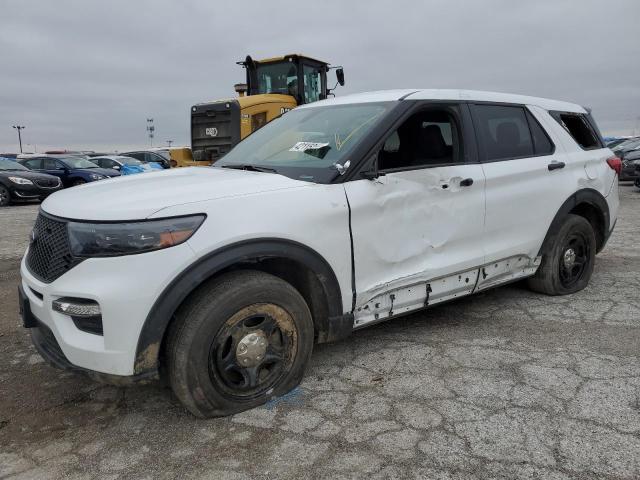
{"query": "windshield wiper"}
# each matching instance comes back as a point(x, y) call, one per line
point(252, 168)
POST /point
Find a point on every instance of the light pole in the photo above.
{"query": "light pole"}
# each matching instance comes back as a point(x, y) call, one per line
point(150, 129)
point(169, 142)
point(18, 127)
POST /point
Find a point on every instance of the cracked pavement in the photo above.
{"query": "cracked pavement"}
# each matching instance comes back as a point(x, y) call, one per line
point(507, 384)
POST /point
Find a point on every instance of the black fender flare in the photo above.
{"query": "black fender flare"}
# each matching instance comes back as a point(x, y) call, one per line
point(589, 196)
point(161, 314)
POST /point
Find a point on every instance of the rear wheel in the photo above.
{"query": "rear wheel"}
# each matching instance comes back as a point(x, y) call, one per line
point(5, 196)
point(238, 341)
point(568, 258)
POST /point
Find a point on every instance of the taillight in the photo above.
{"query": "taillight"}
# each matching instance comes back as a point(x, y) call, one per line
point(615, 163)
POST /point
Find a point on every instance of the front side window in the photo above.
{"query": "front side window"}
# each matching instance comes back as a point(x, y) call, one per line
point(281, 77)
point(50, 164)
point(504, 131)
point(312, 83)
point(427, 138)
point(308, 143)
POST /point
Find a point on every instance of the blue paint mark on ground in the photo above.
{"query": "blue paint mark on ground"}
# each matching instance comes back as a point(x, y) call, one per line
point(294, 397)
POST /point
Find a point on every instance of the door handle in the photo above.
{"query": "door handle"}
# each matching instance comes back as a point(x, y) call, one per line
point(467, 182)
point(555, 165)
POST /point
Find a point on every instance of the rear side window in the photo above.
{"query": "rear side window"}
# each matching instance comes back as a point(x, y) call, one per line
point(504, 131)
point(542, 145)
point(579, 128)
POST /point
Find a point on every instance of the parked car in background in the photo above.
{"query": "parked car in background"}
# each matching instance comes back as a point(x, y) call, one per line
point(72, 170)
point(9, 155)
point(627, 146)
point(148, 156)
point(126, 165)
point(613, 142)
point(333, 217)
point(18, 183)
point(631, 166)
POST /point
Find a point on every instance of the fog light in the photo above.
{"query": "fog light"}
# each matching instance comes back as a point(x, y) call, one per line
point(77, 307)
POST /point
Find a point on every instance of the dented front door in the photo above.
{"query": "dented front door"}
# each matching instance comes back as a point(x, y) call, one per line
point(416, 233)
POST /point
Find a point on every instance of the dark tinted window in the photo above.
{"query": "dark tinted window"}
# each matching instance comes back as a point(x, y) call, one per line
point(504, 131)
point(579, 128)
point(427, 138)
point(50, 164)
point(542, 145)
point(33, 163)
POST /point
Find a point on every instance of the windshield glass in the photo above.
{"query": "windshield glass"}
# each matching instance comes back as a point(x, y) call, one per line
point(277, 78)
point(307, 143)
point(129, 161)
point(76, 162)
point(628, 143)
point(10, 165)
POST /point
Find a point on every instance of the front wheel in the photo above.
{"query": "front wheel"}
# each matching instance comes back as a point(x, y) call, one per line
point(238, 341)
point(568, 258)
point(5, 196)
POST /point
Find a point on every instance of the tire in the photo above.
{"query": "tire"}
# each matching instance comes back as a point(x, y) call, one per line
point(229, 320)
point(568, 258)
point(78, 182)
point(5, 196)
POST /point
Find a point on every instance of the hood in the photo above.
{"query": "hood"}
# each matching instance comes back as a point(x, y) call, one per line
point(31, 175)
point(135, 197)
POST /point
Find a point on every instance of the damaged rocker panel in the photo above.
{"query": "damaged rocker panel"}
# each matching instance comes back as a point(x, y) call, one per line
point(425, 293)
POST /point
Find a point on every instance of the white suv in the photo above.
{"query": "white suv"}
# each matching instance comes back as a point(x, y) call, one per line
point(335, 216)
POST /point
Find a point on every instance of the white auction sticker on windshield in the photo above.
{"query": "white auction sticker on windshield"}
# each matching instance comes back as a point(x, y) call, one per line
point(304, 146)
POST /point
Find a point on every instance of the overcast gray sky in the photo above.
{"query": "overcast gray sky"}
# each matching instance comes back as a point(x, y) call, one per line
point(87, 73)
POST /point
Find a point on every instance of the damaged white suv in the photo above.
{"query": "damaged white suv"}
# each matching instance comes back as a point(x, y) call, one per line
point(335, 216)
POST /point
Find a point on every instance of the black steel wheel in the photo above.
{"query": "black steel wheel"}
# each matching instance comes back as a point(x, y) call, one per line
point(574, 259)
point(568, 258)
point(237, 341)
point(253, 350)
point(5, 196)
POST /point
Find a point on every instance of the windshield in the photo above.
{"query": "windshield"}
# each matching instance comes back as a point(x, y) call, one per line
point(634, 142)
point(76, 162)
point(277, 78)
point(10, 165)
point(307, 143)
point(129, 161)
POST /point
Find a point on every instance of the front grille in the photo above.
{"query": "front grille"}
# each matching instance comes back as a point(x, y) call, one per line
point(47, 182)
point(49, 254)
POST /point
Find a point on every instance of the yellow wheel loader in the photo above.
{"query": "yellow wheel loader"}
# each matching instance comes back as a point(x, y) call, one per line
point(273, 87)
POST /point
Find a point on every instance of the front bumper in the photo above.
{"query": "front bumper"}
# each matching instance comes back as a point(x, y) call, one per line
point(32, 192)
point(126, 289)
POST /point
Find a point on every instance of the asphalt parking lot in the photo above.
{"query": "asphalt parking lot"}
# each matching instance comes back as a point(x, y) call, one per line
point(506, 384)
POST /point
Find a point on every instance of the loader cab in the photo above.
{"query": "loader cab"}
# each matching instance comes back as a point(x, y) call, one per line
point(303, 78)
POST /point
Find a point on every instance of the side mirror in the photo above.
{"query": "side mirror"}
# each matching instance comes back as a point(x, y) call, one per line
point(340, 76)
point(116, 167)
point(372, 172)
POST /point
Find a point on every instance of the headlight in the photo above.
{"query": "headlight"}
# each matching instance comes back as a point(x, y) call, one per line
point(111, 239)
point(96, 176)
point(21, 181)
